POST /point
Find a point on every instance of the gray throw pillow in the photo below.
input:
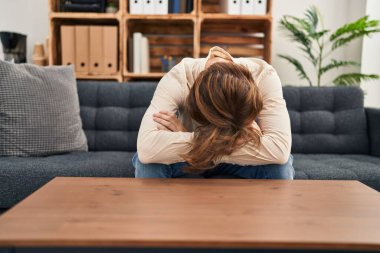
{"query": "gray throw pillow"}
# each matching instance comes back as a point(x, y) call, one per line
point(39, 111)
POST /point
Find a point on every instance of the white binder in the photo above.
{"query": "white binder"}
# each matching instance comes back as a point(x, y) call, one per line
point(136, 7)
point(259, 7)
point(231, 6)
point(246, 7)
point(149, 6)
point(137, 52)
point(145, 68)
point(162, 7)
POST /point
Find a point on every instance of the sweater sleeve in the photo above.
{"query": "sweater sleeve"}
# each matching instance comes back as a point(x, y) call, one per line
point(158, 146)
point(274, 123)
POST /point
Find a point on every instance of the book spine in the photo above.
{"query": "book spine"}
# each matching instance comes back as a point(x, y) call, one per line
point(171, 6)
point(183, 6)
point(176, 6)
point(189, 6)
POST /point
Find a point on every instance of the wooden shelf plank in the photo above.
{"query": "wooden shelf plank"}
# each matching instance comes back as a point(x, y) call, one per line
point(144, 75)
point(81, 15)
point(232, 40)
point(97, 77)
point(184, 16)
point(224, 16)
point(237, 51)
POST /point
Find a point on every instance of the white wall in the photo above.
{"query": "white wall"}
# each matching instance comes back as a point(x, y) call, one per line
point(335, 13)
point(28, 17)
point(371, 58)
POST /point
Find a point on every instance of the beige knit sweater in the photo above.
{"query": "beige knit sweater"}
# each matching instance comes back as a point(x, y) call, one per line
point(158, 146)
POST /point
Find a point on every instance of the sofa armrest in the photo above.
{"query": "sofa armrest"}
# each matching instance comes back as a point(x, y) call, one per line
point(373, 124)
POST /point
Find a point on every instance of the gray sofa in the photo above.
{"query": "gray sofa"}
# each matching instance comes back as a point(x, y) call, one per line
point(334, 137)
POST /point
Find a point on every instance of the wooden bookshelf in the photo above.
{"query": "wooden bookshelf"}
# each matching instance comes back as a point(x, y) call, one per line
point(179, 35)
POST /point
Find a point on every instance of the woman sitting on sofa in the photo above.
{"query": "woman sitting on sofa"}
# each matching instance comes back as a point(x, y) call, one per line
point(232, 120)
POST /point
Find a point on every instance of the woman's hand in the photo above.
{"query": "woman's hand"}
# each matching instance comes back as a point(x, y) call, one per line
point(168, 122)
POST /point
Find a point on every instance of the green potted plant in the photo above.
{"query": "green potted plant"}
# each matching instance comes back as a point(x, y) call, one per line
point(318, 43)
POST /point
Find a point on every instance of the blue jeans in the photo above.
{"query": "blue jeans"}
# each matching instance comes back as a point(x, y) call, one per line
point(270, 171)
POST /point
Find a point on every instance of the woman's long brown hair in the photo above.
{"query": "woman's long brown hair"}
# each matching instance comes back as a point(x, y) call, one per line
point(225, 101)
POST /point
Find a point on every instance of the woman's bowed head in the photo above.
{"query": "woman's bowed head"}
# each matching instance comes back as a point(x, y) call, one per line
point(225, 102)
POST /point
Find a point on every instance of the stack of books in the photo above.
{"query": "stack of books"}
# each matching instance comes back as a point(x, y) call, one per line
point(160, 7)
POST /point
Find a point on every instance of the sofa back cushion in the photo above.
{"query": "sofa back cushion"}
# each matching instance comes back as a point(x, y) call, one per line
point(324, 120)
point(112, 112)
point(327, 120)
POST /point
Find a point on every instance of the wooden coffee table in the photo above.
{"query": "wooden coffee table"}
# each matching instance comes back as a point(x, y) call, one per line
point(183, 215)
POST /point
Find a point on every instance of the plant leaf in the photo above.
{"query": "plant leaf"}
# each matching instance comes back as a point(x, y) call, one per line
point(343, 41)
point(312, 16)
point(348, 32)
point(320, 34)
point(297, 30)
point(311, 23)
point(299, 68)
point(349, 27)
point(353, 79)
point(337, 64)
point(309, 56)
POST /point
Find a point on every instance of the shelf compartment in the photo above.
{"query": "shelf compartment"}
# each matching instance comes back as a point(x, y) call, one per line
point(243, 39)
point(166, 37)
point(55, 49)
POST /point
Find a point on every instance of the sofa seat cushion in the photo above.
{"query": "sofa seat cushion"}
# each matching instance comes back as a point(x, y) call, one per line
point(363, 168)
point(19, 177)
